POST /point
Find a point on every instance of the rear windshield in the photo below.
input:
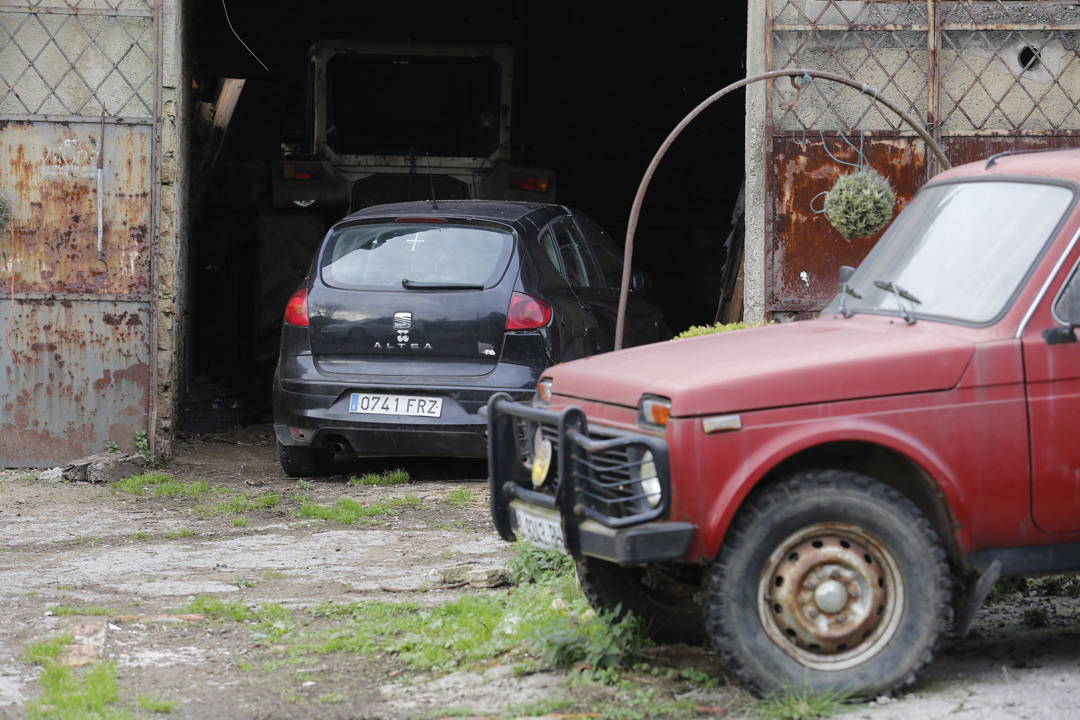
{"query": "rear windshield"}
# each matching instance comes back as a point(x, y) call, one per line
point(380, 257)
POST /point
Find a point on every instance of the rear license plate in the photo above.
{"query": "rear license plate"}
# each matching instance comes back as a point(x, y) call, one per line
point(539, 529)
point(379, 404)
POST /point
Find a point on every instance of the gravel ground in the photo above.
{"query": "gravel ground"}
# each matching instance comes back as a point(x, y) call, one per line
point(80, 545)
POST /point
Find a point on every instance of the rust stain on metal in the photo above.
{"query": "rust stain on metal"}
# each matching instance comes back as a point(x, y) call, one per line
point(805, 250)
point(52, 168)
point(975, 148)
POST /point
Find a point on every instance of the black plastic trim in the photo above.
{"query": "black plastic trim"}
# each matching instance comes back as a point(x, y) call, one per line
point(1030, 559)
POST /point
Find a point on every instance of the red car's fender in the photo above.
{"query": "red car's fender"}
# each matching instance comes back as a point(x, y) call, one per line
point(787, 441)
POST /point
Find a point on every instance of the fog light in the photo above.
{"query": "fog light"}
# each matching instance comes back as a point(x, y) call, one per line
point(541, 463)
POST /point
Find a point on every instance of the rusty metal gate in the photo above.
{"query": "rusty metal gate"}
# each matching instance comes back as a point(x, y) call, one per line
point(77, 260)
point(985, 76)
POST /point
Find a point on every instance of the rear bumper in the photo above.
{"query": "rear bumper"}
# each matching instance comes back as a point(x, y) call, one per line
point(314, 412)
point(566, 501)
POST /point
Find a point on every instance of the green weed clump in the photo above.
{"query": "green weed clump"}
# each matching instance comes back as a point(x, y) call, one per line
point(65, 693)
point(346, 510)
point(461, 498)
point(696, 330)
point(799, 704)
point(530, 564)
point(390, 477)
point(159, 485)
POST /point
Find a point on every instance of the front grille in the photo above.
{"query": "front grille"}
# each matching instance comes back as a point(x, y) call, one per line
point(606, 479)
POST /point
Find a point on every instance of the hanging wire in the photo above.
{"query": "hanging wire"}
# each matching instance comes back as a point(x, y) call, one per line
point(229, 22)
point(861, 162)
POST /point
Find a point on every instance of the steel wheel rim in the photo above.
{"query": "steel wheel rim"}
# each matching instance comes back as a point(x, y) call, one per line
point(830, 596)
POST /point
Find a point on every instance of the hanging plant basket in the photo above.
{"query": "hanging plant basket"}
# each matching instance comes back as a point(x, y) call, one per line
point(860, 203)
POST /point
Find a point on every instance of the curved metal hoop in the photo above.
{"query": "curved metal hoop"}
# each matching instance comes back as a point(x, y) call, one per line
point(639, 198)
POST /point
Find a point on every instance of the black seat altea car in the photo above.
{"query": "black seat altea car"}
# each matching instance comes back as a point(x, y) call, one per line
point(413, 314)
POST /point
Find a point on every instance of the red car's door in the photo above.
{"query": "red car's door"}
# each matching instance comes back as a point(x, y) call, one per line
point(1053, 386)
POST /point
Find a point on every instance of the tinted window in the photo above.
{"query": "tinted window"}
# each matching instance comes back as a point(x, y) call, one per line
point(577, 265)
point(547, 241)
point(381, 256)
point(609, 259)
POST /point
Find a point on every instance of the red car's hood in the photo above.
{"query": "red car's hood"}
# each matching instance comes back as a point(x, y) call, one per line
point(774, 366)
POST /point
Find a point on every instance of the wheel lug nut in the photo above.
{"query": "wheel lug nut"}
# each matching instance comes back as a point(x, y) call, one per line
point(853, 593)
point(841, 618)
point(813, 614)
point(811, 585)
point(835, 574)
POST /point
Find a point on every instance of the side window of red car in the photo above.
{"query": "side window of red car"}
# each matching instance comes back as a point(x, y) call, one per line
point(577, 264)
point(1065, 308)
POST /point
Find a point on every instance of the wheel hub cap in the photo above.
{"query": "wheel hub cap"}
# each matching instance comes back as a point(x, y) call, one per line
point(830, 595)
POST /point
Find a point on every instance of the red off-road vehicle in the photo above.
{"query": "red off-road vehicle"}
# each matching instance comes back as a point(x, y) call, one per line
point(824, 500)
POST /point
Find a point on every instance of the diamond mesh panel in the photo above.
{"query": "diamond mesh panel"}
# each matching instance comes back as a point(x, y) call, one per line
point(65, 64)
point(1004, 67)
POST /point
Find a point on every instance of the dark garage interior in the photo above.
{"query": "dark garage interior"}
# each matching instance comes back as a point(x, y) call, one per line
point(595, 91)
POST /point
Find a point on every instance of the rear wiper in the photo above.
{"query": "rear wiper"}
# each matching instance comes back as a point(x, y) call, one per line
point(899, 292)
point(420, 285)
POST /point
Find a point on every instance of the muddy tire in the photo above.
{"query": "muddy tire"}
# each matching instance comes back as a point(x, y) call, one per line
point(304, 461)
point(828, 580)
point(668, 601)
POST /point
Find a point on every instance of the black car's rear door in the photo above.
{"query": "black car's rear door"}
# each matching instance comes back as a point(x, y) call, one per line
point(594, 269)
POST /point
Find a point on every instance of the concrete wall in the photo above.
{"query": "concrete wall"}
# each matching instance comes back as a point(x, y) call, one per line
point(175, 129)
point(754, 161)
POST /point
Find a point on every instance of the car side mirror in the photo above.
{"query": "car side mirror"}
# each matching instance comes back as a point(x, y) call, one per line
point(1065, 334)
point(639, 281)
point(845, 273)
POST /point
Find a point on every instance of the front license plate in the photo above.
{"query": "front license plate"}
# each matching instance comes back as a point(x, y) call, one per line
point(379, 404)
point(539, 529)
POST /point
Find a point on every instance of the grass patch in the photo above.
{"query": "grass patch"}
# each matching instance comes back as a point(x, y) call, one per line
point(219, 609)
point(461, 497)
point(273, 575)
point(156, 705)
point(41, 651)
point(65, 693)
point(240, 505)
point(160, 485)
point(139, 535)
point(182, 533)
point(549, 621)
point(390, 477)
point(239, 522)
point(66, 610)
point(799, 704)
point(346, 510)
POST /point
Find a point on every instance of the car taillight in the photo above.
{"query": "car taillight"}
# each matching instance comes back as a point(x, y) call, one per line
point(532, 183)
point(527, 313)
point(296, 311)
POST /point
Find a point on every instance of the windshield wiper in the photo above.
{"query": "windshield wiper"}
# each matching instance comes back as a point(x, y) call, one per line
point(899, 292)
point(421, 285)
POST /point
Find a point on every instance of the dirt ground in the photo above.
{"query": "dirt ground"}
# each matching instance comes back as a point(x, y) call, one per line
point(138, 560)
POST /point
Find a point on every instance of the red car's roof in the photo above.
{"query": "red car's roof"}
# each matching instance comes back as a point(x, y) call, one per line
point(1064, 164)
